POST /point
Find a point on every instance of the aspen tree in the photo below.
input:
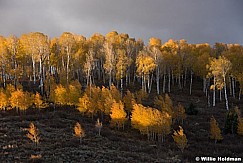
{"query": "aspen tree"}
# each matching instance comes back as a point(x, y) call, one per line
point(110, 46)
point(67, 43)
point(37, 100)
point(155, 45)
point(94, 94)
point(105, 101)
point(168, 105)
point(215, 132)
point(115, 93)
point(219, 69)
point(33, 134)
point(140, 96)
point(98, 126)
point(240, 126)
point(180, 139)
point(169, 53)
point(234, 54)
point(180, 113)
point(96, 42)
point(3, 101)
point(145, 66)
point(60, 96)
point(128, 101)
point(121, 67)
point(79, 132)
point(151, 122)
point(159, 102)
point(20, 100)
point(202, 53)
point(84, 104)
point(89, 66)
point(3, 59)
point(12, 43)
point(118, 115)
point(73, 95)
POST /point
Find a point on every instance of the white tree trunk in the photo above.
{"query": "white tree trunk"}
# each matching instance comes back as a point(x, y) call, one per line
point(41, 78)
point(33, 66)
point(214, 92)
point(172, 78)
point(169, 81)
point(204, 85)
point(164, 84)
point(150, 83)
point(225, 94)
point(127, 78)
point(68, 60)
point(15, 68)
point(233, 87)
point(4, 75)
point(239, 94)
point(191, 83)
point(157, 79)
point(209, 104)
point(121, 80)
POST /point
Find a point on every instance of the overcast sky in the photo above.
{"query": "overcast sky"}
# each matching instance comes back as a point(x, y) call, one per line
point(197, 21)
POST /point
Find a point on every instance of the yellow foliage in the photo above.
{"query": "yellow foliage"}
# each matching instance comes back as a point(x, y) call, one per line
point(145, 64)
point(37, 100)
point(164, 104)
point(115, 93)
point(128, 100)
point(78, 131)
point(9, 89)
point(240, 126)
point(84, 103)
point(3, 101)
point(237, 111)
point(139, 119)
point(154, 42)
point(180, 113)
point(151, 121)
point(168, 107)
point(118, 114)
point(122, 64)
point(73, 94)
point(159, 102)
point(140, 96)
point(180, 139)
point(21, 100)
point(106, 100)
point(60, 95)
point(215, 132)
point(219, 68)
point(33, 133)
point(94, 94)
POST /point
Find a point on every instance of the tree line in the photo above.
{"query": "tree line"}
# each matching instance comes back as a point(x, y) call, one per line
point(117, 59)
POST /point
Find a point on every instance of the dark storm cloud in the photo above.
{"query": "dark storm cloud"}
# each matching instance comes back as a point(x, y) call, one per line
point(196, 21)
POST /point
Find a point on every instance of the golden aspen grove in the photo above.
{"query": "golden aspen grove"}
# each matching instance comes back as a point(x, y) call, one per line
point(130, 97)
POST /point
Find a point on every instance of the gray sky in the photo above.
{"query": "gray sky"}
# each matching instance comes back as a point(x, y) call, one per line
point(196, 21)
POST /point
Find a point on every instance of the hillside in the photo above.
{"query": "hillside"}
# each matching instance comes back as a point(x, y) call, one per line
point(58, 144)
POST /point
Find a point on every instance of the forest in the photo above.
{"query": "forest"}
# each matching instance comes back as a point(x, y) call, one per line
point(157, 94)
